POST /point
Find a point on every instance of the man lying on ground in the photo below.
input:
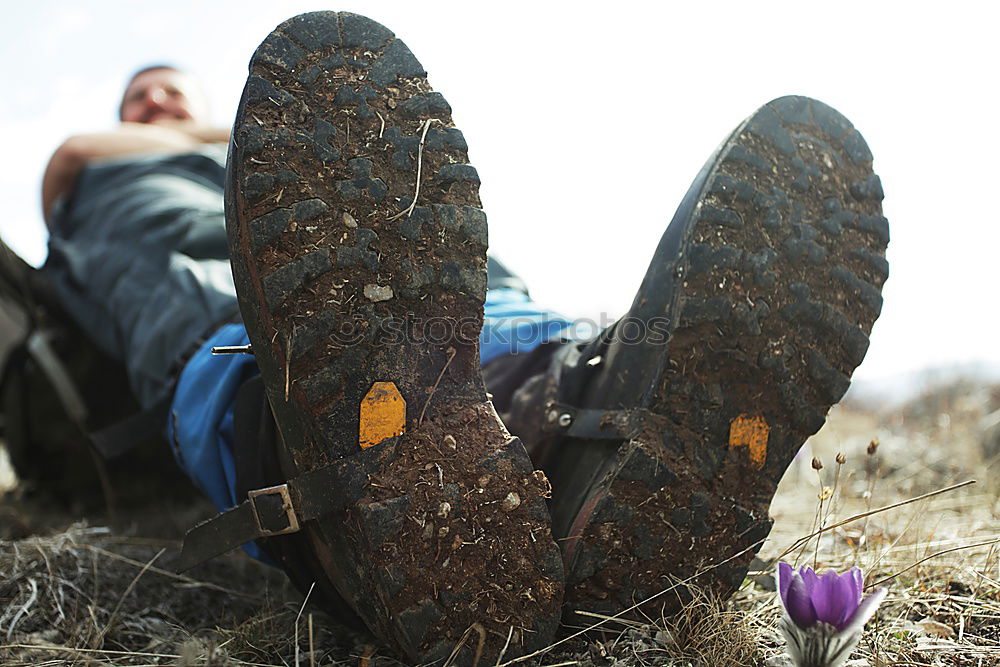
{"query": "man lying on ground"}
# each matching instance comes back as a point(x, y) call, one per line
point(355, 441)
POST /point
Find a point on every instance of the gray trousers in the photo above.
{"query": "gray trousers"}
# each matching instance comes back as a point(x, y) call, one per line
point(138, 257)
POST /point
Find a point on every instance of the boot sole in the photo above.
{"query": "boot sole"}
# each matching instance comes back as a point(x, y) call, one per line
point(344, 281)
point(776, 289)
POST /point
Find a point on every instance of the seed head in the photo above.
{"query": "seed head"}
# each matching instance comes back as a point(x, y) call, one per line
point(873, 446)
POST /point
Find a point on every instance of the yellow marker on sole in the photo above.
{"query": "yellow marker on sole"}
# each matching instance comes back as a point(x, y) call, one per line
point(383, 414)
point(752, 433)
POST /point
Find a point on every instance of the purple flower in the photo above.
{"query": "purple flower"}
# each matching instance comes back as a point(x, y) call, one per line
point(824, 615)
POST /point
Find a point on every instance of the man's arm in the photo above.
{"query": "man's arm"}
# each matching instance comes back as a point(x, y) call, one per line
point(206, 134)
point(128, 139)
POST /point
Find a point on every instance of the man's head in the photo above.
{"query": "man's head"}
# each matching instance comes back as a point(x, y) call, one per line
point(162, 92)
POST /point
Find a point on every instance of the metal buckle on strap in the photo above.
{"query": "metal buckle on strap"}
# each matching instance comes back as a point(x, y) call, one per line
point(281, 491)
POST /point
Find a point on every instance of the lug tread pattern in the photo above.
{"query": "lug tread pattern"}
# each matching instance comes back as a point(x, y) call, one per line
point(780, 284)
point(823, 238)
point(342, 277)
point(376, 74)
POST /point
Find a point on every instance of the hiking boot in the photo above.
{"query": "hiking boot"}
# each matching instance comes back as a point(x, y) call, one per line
point(666, 436)
point(359, 252)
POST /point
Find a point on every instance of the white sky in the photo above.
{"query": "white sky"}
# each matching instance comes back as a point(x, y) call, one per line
point(587, 122)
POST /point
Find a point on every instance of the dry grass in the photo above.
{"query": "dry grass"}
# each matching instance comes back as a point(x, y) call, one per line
point(939, 556)
point(83, 596)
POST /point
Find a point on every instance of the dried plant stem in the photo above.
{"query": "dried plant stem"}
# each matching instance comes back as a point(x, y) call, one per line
point(451, 356)
point(463, 640)
point(312, 650)
point(510, 633)
point(297, 617)
point(624, 621)
point(114, 614)
point(420, 162)
point(579, 633)
point(25, 608)
point(817, 522)
point(927, 558)
point(833, 493)
point(167, 573)
point(871, 469)
point(805, 539)
point(885, 552)
point(110, 652)
point(982, 576)
point(819, 533)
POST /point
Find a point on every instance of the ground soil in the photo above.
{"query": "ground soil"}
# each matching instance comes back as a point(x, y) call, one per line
point(80, 589)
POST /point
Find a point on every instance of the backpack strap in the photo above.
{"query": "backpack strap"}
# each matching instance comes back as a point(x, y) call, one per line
point(122, 436)
point(40, 349)
point(148, 424)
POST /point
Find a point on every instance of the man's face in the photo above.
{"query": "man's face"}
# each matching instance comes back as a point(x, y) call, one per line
point(163, 94)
